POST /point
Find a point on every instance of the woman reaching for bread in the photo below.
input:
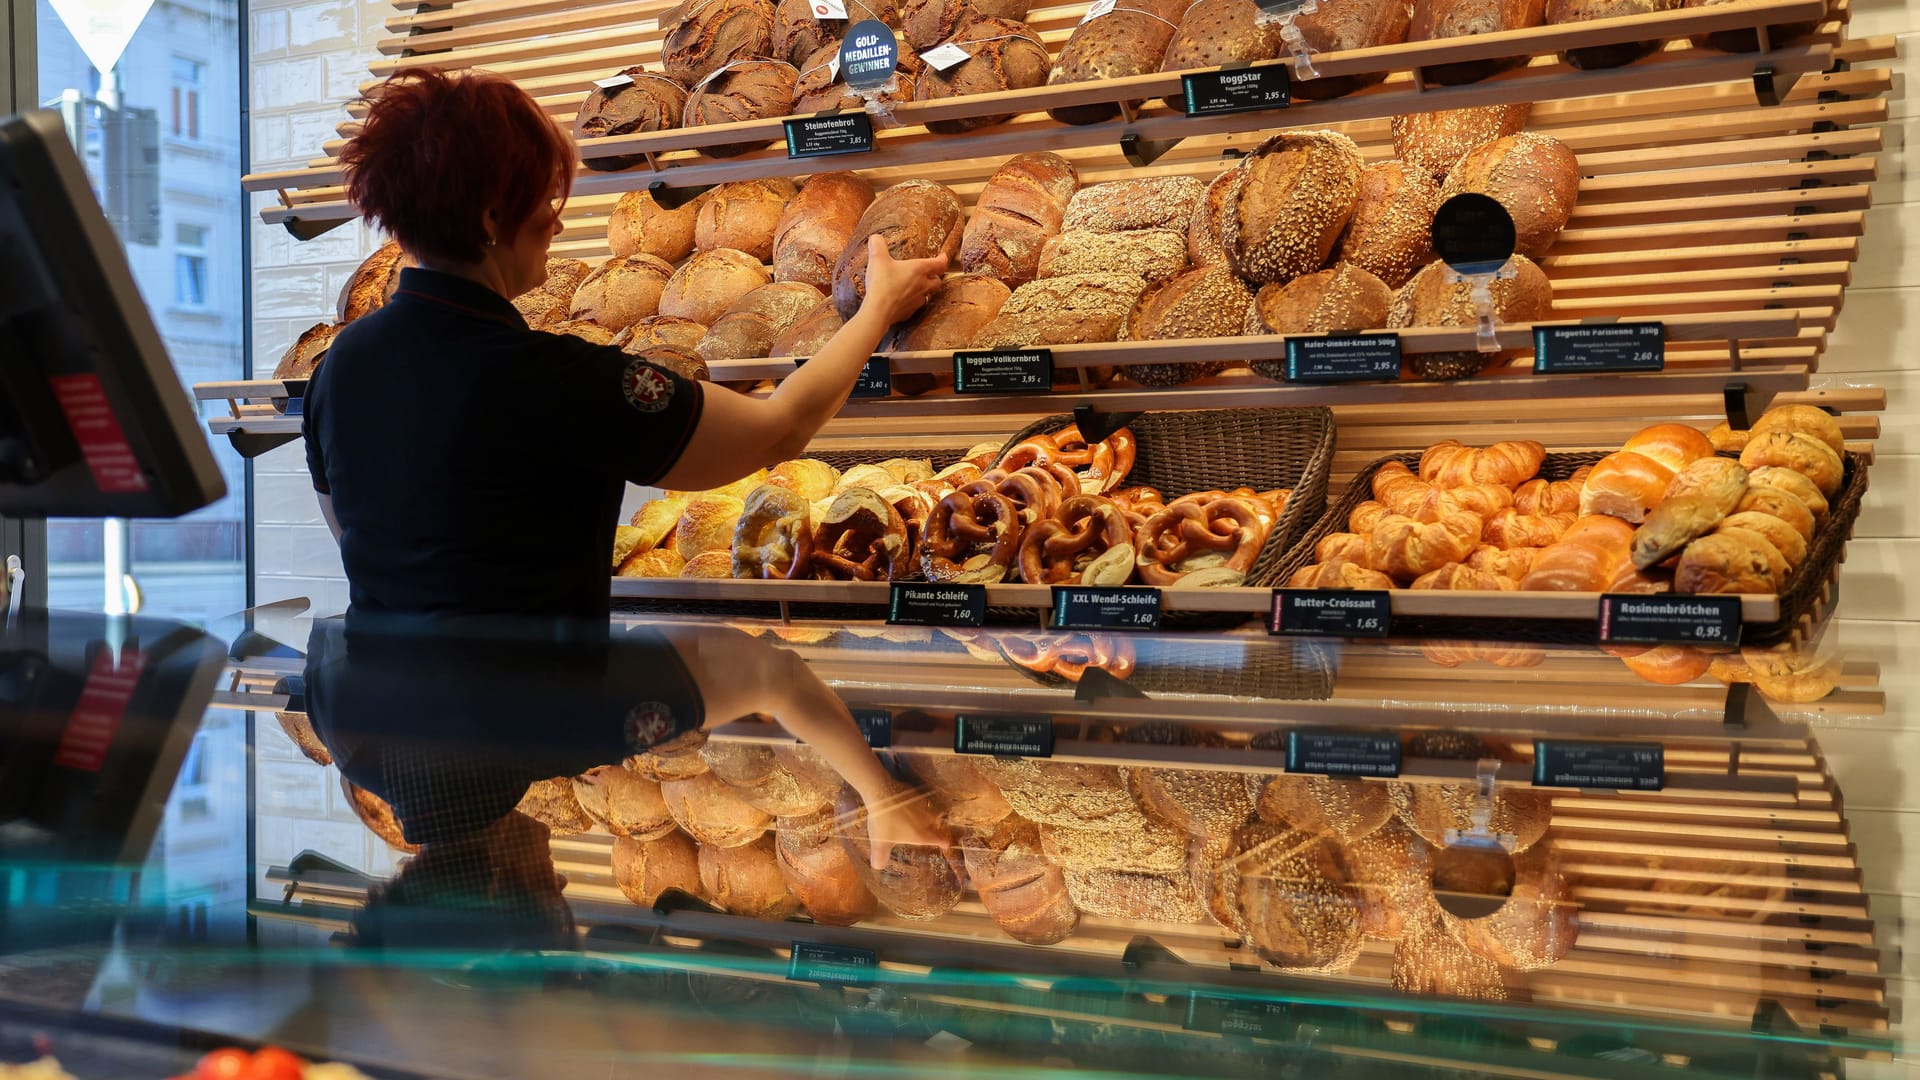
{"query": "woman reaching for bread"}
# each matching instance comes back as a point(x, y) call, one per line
point(469, 465)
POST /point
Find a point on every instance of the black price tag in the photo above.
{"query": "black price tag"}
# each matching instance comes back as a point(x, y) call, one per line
point(1077, 607)
point(836, 964)
point(825, 136)
point(1235, 1016)
point(1473, 234)
point(874, 381)
point(922, 604)
point(1344, 753)
point(876, 726)
point(1003, 736)
point(1331, 612)
point(1620, 766)
point(1011, 371)
point(1236, 90)
point(1343, 358)
point(1667, 619)
point(1583, 347)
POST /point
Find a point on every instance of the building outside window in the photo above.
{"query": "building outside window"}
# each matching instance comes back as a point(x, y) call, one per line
point(188, 74)
point(190, 265)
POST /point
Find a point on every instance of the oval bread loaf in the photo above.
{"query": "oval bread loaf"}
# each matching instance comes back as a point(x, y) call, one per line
point(1288, 204)
point(709, 283)
point(1019, 210)
point(742, 90)
point(650, 102)
point(815, 226)
point(918, 219)
point(710, 34)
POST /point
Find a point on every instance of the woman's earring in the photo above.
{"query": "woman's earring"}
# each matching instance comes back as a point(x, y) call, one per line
point(490, 242)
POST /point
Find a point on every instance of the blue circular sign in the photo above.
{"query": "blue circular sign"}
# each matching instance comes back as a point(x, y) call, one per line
point(1473, 234)
point(868, 55)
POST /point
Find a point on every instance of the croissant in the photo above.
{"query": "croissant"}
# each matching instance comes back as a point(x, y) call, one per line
point(1482, 499)
point(1674, 445)
point(1366, 515)
point(1455, 576)
point(1538, 496)
point(1404, 549)
point(1510, 463)
point(1512, 563)
point(1625, 485)
point(1341, 547)
point(1338, 575)
point(1388, 475)
point(1512, 529)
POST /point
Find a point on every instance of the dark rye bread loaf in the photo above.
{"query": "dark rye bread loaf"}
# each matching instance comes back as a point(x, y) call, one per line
point(1003, 55)
point(815, 226)
point(1592, 57)
point(650, 102)
point(820, 89)
point(1015, 215)
point(1063, 311)
point(1391, 232)
point(918, 219)
point(954, 314)
point(926, 23)
point(797, 34)
point(1131, 39)
point(1437, 20)
point(710, 34)
point(1216, 32)
point(742, 90)
point(1348, 25)
point(1289, 202)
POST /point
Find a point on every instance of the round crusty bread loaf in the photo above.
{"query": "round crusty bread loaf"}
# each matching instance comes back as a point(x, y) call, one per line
point(670, 330)
point(1346, 808)
point(1431, 300)
point(915, 883)
point(1437, 20)
point(643, 869)
point(1149, 202)
point(1344, 27)
point(300, 729)
point(303, 357)
point(1130, 39)
point(583, 329)
point(1198, 802)
point(819, 89)
point(815, 226)
point(739, 764)
point(1342, 298)
point(1434, 141)
point(1004, 55)
point(377, 816)
point(964, 794)
point(1391, 233)
point(1536, 177)
point(749, 327)
point(747, 880)
point(372, 282)
point(1296, 899)
point(1431, 809)
point(918, 219)
point(1155, 255)
point(640, 225)
point(957, 311)
point(713, 813)
point(651, 102)
point(710, 283)
point(710, 34)
point(1204, 303)
point(1394, 870)
point(819, 870)
point(926, 23)
point(1063, 310)
point(1024, 893)
point(553, 804)
point(627, 803)
point(810, 332)
point(622, 291)
point(1288, 204)
point(742, 90)
point(1217, 32)
point(1204, 246)
point(682, 362)
point(1594, 57)
point(678, 758)
point(798, 33)
point(1015, 215)
point(742, 216)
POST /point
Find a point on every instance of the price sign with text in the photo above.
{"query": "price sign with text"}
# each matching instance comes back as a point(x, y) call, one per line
point(876, 726)
point(829, 135)
point(912, 603)
point(1077, 607)
point(1003, 736)
point(1343, 753)
point(1668, 619)
point(1236, 90)
point(874, 381)
point(1599, 347)
point(1616, 766)
point(842, 965)
point(1331, 613)
point(1003, 371)
point(1336, 358)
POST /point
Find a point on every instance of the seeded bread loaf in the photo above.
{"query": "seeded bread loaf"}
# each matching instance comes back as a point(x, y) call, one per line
point(742, 90)
point(1209, 219)
point(1288, 204)
point(710, 34)
point(1344, 297)
point(1535, 176)
point(1216, 32)
point(1431, 300)
point(1015, 215)
point(1156, 255)
point(917, 218)
point(1437, 20)
point(650, 102)
point(1131, 39)
point(1435, 141)
point(1003, 55)
point(815, 226)
point(1063, 310)
point(1391, 232)
point(1154, 202)
point(1209, 302)
point(1344, 26)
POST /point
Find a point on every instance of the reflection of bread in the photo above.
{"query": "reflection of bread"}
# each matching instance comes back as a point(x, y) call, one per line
point(627, 803)
point(552, 803)
point(1062, 793)
point(713, 813)
point(1127, 894)
point(1429, 959)
point(1297, 901)
point(643, 869)
point(1198, 802)
point(1431, 809)
point(676, 759)
point(1025, 894)
point(1151, 848)
point(1394, 870)
point(1537, 925)
point(819, 870)
point(300, 730)
point(915, 883)
point(1349, 809)
point(747, 880)
point(377, 816)
point(964, 794)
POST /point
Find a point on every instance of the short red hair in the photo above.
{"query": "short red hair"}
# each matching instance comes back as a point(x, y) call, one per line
point(438, 150)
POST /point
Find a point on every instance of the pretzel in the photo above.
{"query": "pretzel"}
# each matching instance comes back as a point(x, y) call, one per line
point(914, 507)
point(1068, 656)
point(1102, 466)
point(1037, 450)
point(972, 537)
point(773, 539)
point(861, 537)
point(1138, 498)
point(1067, 547)
point(1034, 492)
point(1193, 534)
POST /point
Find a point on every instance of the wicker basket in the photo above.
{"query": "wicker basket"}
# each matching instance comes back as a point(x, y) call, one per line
point(1276, 669)
point(1802, 592)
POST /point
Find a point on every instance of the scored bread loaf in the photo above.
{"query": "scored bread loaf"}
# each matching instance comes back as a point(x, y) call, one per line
point(1435, 141)
point(1204, 247)
point(819, 88)
point(1015, 215)
point(1592, 57)
point(1345, 26)
point(798, 33)
point(582, 329)
point(809, 333)
point(742, 90)
point(649, 102)
point(741, 216)
point(815, 226)
point(1343, 298)
point(1288, 203)
point(1025, 894)
point(1213, 33)
point(1203, 303)
point(954, 314)
point(372, 282)
point(1002, 55)
point(1535, 177)
point(710, 34)
point(1129, 39)
point(622, 291)
point(819, 871)
point(551, 301)
point(917, 219)
point(709, 283)
point(682, 362)
point(747, 880)
point(1063, 310)
point(1391, 232)
point(668, 330)
point(1153, 202)
point(915, 882)
point(641, 226)
point(749, 327)
point(303, 357)
point(643, 869)
point(627, 803)
point(1436, 20)
point(1155, 255)
point(1431, 300)
point(926, 23)
point(553, 804)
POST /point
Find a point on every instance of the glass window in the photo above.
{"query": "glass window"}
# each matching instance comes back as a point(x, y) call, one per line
point(190, 265)
point(187, 76)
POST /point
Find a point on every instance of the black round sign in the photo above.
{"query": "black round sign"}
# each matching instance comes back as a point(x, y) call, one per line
point(1473, 234)
point(868, 54)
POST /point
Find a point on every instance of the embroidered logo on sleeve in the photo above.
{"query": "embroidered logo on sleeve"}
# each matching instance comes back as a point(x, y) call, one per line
point(647, 388)
point(647, 724)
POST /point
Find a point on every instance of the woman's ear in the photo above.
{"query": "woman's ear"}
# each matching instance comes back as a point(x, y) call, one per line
point(490, 223)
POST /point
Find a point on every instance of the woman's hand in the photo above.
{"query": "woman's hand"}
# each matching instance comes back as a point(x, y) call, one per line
point(896, 288)
point(902, 815)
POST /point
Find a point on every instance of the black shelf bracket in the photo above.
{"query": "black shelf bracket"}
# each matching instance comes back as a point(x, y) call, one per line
point(1096, 424)
point(668, 197)
point(1143, 951)
point(302, 229)
point(1141, 153)
point(1766, 86)
point(250, 445)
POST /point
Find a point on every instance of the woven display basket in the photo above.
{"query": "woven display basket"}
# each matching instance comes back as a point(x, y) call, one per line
point(1802, 592)
point(1277, 669)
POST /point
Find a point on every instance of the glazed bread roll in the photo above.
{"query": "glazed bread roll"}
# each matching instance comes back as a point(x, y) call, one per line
point(810, 332)
point(917, 219)
point(1802, 453)
point(303, 357)
point(954, 315)
point(640, 225)
point(1587, 558)
point(643, 869)
point(819, 872)
point(709, 283)
point(1435, 141)
point(1003, 55)
point(750, 327)
point(1015, 215)
point(1804, 420)
point(1435, 20)
point(714, 813)
point(1024, 893)
point(1666, 665)
point(627, 803)
point(650, 102)
point(1391, 232)
point(1534, 176)
point(1348, 809)
point(1780, 503)
point(1063, 310)
point(1674, 445)
point(1626, 485)
point(710, 34)
point(1130, 39)
point(1154, 202)
point(747, 880)
point(1290, 201)
point(622, 291)
point(915, 882)
point(1204, 303)
point(741, 216)
point(1156, 255)
point(1793, 483)
point(1731, 561)
point(741, 90)
point(1429, 299)
point(1343, 27)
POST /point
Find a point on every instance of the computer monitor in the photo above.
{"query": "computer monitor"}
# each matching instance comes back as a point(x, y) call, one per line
point(93, 421)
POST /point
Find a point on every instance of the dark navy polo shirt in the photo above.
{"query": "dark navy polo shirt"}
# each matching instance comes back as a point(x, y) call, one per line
point(477, 466)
